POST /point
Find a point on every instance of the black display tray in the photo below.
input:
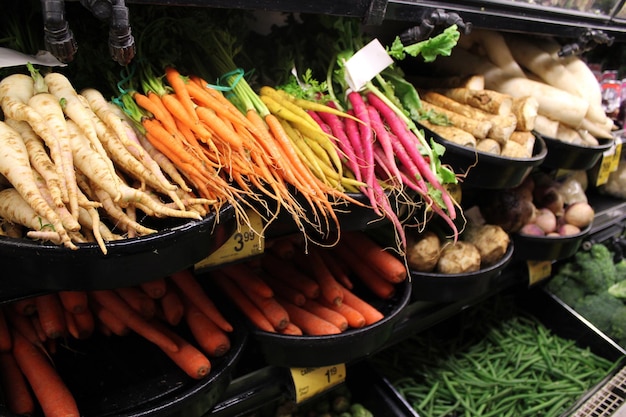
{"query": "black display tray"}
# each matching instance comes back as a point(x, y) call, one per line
point(348, 346)
point(564, 155)
point(32, 266)
point(128, 376)
point(546, 248)
point(484, 170)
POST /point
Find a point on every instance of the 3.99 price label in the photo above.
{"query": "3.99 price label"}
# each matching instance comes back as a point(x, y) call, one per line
point(309, 382)
point(247, 241)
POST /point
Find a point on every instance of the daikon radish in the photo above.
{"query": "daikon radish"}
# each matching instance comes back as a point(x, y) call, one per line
point(569, 135)
point(596, 130)
point(546, 126)
point(553, 102)
point(478, 128)
point(15, 166)
point(497, 50)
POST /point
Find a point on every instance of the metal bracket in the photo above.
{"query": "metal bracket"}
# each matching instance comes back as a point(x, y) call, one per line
point(432, 18)
point(588, 40)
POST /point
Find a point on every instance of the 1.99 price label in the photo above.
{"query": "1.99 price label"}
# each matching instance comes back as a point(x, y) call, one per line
point(247, 241)
point(309, 382)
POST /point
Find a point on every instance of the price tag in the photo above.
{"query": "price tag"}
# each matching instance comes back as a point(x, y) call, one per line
point(538, 270)
point(247, 241)
point(605, 167)
point(617, 154)
point(309, 382)
point(365, 64)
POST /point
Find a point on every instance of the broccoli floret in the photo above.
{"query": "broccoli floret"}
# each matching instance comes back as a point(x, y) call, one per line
point(618, 290)
point(599, 309)
point(618, 326)
point(620, 271)
point(597, 269)
point(571, 294)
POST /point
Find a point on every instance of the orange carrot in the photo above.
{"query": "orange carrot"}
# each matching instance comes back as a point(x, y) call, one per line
point(218, 125)
point(179, 83)
point(355, 318)
point(111, 301)
point(84, 324)
point(246, 277)
point(212, 340)
point(172, 307)
point(70, 324)
point(207, 97)
point(188, 357)
point(285, 291)
point(41, 334)
point(51, 316)
point(24, 306)
point(241, 300)
point(138, 300)
point(330, 289)
point(109, 322)
point(5, 334)
point(53, 396)
point(270, 307)
point(292, 330)
point(192, 290)
point(370, 277)
point(289, 274)
point(384, 262)
point(173, 104)
point(283, 248)
point(326, 313)
point(15, 390)
point(310, 323)
point(155, 288)
point(74, 301)
point(371, 314)
point(22, 324)
point(337, 268)
point(152, 103)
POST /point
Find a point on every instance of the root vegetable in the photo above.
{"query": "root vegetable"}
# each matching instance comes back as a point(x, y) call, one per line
point(546, 220)
point(491, 241)
point(531, 229)
point(509, 209)
point(579, 214)
point(423, 252)
point(568, 230)
point(458, 257)
point(489, 145)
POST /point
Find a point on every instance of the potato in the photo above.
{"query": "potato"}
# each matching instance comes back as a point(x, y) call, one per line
point(491, 241)
point(458, 258)
point(423, 253)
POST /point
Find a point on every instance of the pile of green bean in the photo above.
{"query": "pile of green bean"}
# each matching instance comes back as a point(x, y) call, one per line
point(494, 361)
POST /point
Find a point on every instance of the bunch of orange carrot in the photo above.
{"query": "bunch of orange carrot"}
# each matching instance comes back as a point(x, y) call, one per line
point(32, 329)
point(298, 292)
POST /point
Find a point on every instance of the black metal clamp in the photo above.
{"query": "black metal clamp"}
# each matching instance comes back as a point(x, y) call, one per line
point(59, 39)
point(430, 20)
point(588, 40)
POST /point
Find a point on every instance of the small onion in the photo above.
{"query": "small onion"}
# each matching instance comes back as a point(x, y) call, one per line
point(546, 220)
point(568, 230)
point(532, 229)
point(579, 214)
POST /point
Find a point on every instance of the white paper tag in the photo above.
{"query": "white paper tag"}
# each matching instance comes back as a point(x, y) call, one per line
point(11, 58)
point(366, 63)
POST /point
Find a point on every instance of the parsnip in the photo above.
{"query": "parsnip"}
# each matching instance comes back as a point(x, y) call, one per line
point(478, 128)
point(15, 166)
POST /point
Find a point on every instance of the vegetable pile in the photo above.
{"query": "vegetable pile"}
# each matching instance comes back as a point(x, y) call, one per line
point(32, 330)
point(593, 284)
point(293, 291)
point(506, 363)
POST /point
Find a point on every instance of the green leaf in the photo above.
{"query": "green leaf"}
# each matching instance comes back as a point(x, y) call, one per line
point(429, 49)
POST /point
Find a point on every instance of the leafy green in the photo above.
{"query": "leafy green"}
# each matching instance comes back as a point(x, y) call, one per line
point(429, 49)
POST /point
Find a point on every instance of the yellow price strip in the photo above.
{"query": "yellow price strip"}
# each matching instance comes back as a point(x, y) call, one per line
point(538, 271)
point(309, 382)
point(246, 242)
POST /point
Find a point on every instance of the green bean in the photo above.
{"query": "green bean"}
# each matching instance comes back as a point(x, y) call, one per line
point(430, 395)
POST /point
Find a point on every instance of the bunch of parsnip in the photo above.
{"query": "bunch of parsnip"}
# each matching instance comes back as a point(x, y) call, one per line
point(68, 157)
